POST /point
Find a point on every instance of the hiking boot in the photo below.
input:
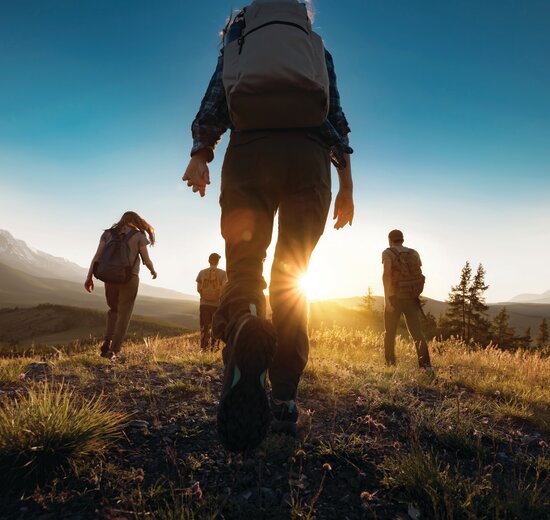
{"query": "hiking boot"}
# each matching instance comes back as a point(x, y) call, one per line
point(243, 412)
point(105, 350)
point(285, 416)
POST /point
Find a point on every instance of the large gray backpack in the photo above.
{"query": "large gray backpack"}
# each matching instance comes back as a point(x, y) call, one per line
point(275, 74)
point(115, 263)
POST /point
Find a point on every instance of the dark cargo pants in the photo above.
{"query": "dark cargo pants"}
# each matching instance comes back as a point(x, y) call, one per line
point(410, 308)
point(266, 172)
point(206, 312)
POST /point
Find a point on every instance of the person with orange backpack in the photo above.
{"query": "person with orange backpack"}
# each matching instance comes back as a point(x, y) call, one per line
point(210, 283)
point(403, 284)
point(275, 88)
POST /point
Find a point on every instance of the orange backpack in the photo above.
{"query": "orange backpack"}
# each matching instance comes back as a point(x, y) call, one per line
point(407, 278)
point(211, 289)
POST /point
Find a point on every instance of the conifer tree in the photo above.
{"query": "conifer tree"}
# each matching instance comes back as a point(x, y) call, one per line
point(543, 337)
point(478, 324)
point(466, 314)
point(503, 334)
point(369, 301)
point(525, 340)
point(368, 307)
point(455, 320)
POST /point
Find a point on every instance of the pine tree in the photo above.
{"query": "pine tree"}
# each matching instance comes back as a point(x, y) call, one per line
point(543, 337)
point(368, 302)
point(525, 340)
point(503, 334)
point(478, 325)
point(455, 320)
point(368, 307)
point(466, 314)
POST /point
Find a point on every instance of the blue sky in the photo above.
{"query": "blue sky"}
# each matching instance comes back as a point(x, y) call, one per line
point(449, 105)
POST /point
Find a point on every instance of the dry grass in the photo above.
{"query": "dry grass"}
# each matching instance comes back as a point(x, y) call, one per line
point(470, 442)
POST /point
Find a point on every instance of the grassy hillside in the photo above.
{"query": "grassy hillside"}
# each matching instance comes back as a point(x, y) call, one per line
point(55, 325)
point(24, 290)
point(470, 442)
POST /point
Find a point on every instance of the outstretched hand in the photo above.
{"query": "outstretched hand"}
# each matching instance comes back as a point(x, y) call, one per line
point(197, 174)
point(343, 208)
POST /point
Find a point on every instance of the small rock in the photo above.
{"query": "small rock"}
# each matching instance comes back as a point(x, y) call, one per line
point(502, 456)
point(526, 440)
point(139, 424)
point(171, 429)
point(268, 495)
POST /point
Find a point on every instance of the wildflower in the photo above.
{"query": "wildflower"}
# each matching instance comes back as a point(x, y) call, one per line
point(300, 453)
point(368, 497)
point(196, 489)
point(543, 444)
point(327, 466)
point(140, 475)
point(292, 460)
point(22, 377)
point(396, 445)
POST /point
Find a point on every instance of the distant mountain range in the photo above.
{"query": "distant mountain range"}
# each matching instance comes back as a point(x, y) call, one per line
point(18, 255)
point(532, 298)
point(29, 278)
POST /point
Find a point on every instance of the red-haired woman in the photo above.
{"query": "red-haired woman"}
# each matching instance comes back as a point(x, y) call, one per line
point(137, 233)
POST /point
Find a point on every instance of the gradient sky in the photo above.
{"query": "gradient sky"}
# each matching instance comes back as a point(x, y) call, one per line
point(449, 105)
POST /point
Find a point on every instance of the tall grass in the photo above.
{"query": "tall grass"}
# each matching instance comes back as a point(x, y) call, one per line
point(49, 428)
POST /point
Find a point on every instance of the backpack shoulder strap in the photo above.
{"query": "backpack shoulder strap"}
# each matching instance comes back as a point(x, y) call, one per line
point(395, 251)
point(130, 234)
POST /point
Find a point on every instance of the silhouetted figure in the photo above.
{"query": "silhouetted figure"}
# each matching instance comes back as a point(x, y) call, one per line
point(275, 88)
point(210, 283)
point(403, 285)
point(116, 263)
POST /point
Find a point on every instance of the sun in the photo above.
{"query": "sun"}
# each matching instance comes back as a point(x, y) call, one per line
point(309, 286)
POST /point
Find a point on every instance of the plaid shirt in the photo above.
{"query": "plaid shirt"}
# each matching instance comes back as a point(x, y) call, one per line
point(213, 118)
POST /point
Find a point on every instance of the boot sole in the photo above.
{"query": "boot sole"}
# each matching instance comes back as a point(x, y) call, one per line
point(244, 415)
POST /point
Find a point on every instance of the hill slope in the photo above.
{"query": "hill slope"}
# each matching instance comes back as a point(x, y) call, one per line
point(58, 324)
point(18, 288)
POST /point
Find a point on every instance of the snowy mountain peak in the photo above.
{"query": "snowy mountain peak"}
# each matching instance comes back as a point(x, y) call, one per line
point(17, 254)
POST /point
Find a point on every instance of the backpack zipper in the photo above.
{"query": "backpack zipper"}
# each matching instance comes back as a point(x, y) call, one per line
point(240, 41)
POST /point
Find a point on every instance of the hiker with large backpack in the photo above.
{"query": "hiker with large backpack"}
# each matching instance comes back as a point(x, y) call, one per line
point(403, 285)
point(116, 263)
point(275, 88)
point(210, 282)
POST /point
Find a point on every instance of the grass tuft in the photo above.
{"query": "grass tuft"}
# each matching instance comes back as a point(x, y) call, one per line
point(49, 428)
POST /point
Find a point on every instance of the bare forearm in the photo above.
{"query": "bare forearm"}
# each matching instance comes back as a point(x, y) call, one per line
point(345, 176)
point(387, 285)
point(91, 269)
